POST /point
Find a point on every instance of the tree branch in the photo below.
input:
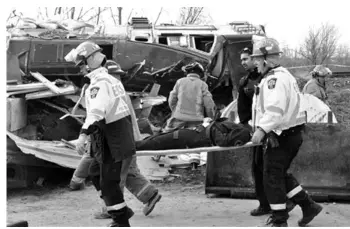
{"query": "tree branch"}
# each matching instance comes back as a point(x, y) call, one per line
point(115, 22)
point(81, 10)
point(160, 11)
point(80, 17)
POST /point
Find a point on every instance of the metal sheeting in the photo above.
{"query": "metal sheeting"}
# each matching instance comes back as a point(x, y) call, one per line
point(52, 151)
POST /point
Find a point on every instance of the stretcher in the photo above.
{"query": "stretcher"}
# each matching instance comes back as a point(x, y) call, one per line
point(192, 150)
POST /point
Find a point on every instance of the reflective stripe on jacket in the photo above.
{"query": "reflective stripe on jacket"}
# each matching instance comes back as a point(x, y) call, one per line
point(189, 99)
point(105, 98)
point(278, 103)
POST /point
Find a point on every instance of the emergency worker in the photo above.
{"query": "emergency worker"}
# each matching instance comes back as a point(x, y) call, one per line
point(246, 87)
point(244, 106)
point(190, 100)
point(317, 85)
point(132, 179)
point(278, 121)
point(108, 123)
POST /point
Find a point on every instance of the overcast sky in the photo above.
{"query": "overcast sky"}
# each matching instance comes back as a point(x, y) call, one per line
point(287, 21)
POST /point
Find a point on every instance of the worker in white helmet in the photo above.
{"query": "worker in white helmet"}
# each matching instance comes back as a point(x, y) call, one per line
point(278, 121)
point(108, 123)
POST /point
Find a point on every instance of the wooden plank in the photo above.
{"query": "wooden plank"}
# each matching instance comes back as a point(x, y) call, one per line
point(12, 82)
point(60, 109)
point(16, 113)
point(21, 92)
point(28, 86)
point(45, 94)
point(145, 112)
point(47, 82)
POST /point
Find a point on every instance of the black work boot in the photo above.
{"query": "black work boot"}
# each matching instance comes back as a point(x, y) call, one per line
point(278, 219)
point(309, 207)
point(261, 211)
point(272, 222)
point(310, 211)
point(148, 208)
point(121, 217)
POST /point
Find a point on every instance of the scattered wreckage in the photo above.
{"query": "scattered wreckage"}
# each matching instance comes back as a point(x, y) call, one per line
point(43, 89)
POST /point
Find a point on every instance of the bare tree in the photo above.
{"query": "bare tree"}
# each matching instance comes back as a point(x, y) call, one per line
point(320, 44)
point(98, 15)
point(112, 16)
point(342, 55)
point(120, 14)
point(192, 15)
point(72, 13)
point(290, 57)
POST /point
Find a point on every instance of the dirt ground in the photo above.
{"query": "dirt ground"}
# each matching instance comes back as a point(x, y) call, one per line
point(183, 205)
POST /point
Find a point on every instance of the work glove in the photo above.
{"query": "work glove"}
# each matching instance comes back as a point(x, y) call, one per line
point(272, 140)
point(80, 145)
point(206, 121)
point(258, 136)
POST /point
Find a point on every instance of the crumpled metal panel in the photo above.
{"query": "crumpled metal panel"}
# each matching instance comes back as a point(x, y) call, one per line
point(52, 151)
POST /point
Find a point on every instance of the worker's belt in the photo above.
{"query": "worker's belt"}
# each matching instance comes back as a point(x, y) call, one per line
point(293, 130)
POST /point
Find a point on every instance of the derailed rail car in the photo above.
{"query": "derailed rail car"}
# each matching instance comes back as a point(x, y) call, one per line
point(145, 63)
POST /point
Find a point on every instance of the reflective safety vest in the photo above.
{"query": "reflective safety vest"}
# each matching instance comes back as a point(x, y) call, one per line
point(105, 98)
point(277, 104)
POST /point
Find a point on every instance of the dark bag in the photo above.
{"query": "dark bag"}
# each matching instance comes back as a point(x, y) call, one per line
point(98, 142)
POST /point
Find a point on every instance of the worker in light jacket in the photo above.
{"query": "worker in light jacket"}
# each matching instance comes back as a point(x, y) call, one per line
point(190, 100)
point(279, 119)
point(108, 124)
point(317, 85)
point(132, 179)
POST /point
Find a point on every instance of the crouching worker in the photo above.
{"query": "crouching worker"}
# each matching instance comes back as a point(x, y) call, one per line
point(221, 132)
point(108, 123)
point(190, 100)
point(317, 85)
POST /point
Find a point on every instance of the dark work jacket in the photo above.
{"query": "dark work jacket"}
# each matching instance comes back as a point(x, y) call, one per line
point(223, 132)
point(113, 141)
point(245, 95)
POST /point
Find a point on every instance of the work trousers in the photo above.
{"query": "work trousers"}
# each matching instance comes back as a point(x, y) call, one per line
point(258, 176)
point(106, 177)
point(131, 178)
point(278, 184)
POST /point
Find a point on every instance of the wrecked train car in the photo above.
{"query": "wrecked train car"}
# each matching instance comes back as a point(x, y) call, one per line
point(34, 111)
point(145, 63)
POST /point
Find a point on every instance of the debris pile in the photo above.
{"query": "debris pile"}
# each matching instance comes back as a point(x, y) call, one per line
point(46, 104)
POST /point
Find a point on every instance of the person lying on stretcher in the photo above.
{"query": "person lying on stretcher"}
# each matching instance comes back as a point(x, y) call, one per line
point(221, 132)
